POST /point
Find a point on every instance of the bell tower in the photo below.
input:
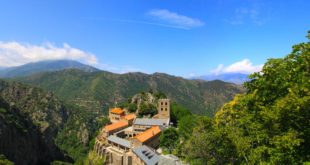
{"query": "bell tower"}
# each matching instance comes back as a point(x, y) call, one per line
point(163, 108)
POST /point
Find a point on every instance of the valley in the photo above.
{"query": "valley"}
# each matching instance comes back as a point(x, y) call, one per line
point(86, 96)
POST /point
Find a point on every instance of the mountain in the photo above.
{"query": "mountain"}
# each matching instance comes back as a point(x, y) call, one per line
point(237, 78)
point(92, 93)
point(95, 91)
point(29, 121)
point(44, 66)
point(85, 97)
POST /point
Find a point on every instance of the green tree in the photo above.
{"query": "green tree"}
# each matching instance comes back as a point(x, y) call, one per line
point(186, 126)
point(267, 125)
point(160, 95)
point(178, 112)
point(209, 144)
point(132, 108)
point(93, 159)
point(147, 109)
point(169, 139)
point(273, 116)
point(5, 161)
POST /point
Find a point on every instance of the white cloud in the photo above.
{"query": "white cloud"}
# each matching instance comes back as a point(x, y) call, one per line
point(14, 53)
point(244, 66)
point(175, 18)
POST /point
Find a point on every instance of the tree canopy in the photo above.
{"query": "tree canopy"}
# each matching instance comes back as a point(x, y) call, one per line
point(169, 139)
point(267, 125)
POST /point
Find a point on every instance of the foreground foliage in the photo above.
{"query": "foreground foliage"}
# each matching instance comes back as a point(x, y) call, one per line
point(93, 159)
point(267, 125)
point(169, 139)
point(4, 161)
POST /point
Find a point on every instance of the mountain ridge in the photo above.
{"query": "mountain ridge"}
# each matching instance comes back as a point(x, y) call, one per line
point(237, 78)
point(103, 88)
point(44, 66)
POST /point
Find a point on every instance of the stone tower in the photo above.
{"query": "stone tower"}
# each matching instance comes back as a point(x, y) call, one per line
point(163, 108)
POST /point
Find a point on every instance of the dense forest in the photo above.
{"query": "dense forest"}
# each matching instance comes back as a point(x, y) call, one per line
point(269, 124)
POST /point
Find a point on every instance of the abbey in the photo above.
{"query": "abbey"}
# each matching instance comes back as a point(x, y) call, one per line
point(130, 140)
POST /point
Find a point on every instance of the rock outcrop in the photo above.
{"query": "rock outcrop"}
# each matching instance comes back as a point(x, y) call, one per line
point(29, 121)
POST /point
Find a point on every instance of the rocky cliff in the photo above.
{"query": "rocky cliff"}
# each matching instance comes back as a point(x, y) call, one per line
point(29, 121)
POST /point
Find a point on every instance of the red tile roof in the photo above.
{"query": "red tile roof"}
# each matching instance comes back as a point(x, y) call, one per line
point(118, 111)
point(115, 126)
point(148, 134)
point(130, 116)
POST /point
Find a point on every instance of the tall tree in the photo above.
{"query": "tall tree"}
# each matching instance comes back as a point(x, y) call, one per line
point(169, 139)
point(267, 125)
point(274, 113)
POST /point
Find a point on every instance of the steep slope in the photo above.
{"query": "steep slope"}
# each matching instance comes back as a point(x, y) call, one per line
point(29, 122)
point(94, 92)
point(44, 66)
point(98, 90)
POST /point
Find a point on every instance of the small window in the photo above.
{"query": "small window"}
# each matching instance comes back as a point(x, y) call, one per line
point(162, 103)
point(166, 103)
point(162, 109)
point(166, 109)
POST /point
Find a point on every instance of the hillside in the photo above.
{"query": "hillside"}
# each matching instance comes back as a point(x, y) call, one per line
point(44, 66)
point(99, 90)
point(29, 121)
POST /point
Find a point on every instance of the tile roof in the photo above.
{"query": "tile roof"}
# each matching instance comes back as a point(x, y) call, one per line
point(130, 116)
point(147, 155)
point(148, 134)
point(115, 126)
point(118, 111)
point(120, 141)
point(151, 122)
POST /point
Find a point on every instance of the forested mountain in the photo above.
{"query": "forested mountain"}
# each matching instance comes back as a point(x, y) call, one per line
point(97, 90)
point(89, 94)
point(37, 128)
point(29, 121)
point(44, 66)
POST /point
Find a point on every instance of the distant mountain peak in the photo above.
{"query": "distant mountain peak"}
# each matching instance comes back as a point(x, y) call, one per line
point(44, 66)
point(237, 78)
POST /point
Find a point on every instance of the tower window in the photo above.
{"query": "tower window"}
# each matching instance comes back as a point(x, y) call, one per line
point(162, 103)
point(166, 109)
point(166, 103)
point(162, 109)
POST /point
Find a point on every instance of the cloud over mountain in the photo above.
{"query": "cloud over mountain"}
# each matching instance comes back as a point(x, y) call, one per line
point(244, 66)
point(15, 53)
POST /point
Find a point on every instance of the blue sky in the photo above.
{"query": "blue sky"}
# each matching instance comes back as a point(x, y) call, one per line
point(183, 38)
